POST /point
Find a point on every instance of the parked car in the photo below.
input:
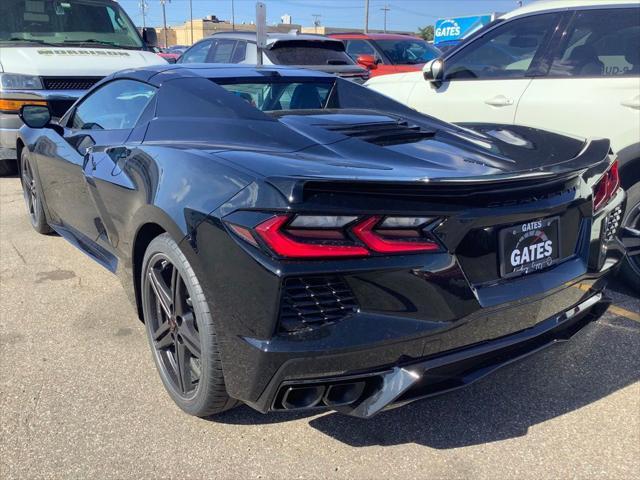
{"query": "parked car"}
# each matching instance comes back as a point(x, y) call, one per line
point(170, 57)
point(308, 51)
point(177, 49)
point(566, 66)
point(52, 51)
point(385, 53)
point(292, 239)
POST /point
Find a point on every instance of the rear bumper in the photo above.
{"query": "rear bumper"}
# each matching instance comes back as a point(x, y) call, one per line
point(416, 372)
point(441, 374)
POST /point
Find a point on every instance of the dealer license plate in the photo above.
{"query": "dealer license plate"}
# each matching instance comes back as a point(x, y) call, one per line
point(529, 247)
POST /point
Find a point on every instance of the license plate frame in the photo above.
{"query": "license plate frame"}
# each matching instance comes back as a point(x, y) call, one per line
point(519, 235)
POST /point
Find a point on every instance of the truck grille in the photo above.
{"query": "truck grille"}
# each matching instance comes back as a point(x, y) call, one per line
point(69, 83)
point(309, 302)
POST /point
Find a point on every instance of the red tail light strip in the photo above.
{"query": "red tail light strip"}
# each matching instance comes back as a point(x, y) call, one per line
point(270, 232)
point(364, 231)
point(606, 187)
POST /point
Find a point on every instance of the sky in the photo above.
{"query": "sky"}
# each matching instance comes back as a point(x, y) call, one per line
point(403, 14)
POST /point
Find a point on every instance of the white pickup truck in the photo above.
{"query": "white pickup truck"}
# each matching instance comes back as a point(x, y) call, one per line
point(51, 51)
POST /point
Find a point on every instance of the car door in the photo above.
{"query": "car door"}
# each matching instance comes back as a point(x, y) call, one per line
point(593, 86)
point(356, 47)
point(101, 123)
point(221, 51)
point(484, 81)
point(197, 53)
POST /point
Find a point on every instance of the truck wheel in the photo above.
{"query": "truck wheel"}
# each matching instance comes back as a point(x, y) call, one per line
point(181, 331)
point(631, 264)
point(8, 167)
point(31, 192)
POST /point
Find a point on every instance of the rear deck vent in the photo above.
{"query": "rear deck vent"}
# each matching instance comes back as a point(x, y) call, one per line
point(309, 302)
point(382, 133)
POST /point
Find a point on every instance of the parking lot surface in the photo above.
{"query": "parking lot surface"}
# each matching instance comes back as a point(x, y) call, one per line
point(80, 396)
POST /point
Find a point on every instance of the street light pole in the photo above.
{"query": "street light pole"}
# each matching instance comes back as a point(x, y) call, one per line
point(143, 8)
point(164, 20)
point(191, 16)
point(366, 16)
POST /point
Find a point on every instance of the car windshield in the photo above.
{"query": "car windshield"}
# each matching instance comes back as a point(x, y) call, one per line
point(67, 22)
point(408, 51)
point(306, 52)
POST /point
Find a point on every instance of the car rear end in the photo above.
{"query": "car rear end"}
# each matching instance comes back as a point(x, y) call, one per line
point(392, 291)
point(315, 53)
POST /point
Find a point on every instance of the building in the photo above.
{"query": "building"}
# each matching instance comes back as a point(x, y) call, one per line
point(204, 27)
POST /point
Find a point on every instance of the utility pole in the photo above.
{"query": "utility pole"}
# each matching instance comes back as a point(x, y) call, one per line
point(233, 17)
point(164, 20)
point(366, 16)
point(191, 16)
point(316, 21)
point(144, 6)
point(385, 9)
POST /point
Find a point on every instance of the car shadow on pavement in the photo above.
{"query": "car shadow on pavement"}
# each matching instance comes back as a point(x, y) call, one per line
point(597, 362)
point(600, 360)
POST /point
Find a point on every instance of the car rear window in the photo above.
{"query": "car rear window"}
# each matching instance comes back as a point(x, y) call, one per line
point(283, 95)
point(308, 53)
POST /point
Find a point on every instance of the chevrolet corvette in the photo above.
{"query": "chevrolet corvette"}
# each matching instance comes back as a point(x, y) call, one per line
point(292, 240)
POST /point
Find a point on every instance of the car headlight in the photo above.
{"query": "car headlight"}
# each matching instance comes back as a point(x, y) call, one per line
point(17, 81)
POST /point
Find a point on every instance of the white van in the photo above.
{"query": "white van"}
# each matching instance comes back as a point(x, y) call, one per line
point(51, 51)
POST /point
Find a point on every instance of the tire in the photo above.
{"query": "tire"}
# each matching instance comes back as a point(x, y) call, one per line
point(630, 269)
point(8, 167)
point(177, 316)
point(32, 196)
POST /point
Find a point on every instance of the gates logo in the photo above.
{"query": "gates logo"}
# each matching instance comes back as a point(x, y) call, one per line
point(448, 28)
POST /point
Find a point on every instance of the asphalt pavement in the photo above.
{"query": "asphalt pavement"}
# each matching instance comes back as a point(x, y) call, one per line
point(80, 396)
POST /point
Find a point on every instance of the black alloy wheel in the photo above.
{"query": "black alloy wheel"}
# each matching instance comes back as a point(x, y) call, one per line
point(181, 331)
point(174, 325)
point(630, 233)
point(30, 191)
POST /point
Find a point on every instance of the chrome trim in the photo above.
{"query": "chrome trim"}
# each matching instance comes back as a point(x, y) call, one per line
point(42, 94)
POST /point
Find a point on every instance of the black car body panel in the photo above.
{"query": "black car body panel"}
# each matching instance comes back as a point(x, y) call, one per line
point(189, 173)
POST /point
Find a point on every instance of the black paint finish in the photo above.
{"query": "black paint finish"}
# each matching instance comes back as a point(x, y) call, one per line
point(186, 172)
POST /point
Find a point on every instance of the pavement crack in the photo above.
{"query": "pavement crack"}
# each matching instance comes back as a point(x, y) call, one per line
point(18, 252)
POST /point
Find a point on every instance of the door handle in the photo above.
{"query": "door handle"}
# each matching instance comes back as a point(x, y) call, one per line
point(632, 102)
point(499, 101)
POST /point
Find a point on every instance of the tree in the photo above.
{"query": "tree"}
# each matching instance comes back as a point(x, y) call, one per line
point(426, 33)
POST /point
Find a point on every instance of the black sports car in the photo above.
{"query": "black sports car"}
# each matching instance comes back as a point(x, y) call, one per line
point(293, 240)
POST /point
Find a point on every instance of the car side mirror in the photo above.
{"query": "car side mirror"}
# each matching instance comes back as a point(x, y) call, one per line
point(433, 71)
point(367, 61)
point(150, 37)
point(35, 116)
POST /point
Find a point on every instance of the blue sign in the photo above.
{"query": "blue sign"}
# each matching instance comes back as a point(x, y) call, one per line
point(448, 29)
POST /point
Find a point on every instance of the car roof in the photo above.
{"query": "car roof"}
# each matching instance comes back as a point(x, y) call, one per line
point(374, 36)
point(271, 37)
point(157, 74)
point(547, 5)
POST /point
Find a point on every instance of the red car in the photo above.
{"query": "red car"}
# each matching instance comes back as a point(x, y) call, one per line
point(385, 53)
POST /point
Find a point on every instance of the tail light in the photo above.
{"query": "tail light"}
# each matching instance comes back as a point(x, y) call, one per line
point(326, 236)
point(606, 188)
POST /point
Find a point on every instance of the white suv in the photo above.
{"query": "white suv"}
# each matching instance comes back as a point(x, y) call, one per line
point(568, 66)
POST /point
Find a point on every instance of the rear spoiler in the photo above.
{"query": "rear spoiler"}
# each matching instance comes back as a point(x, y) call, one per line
point(592, 161)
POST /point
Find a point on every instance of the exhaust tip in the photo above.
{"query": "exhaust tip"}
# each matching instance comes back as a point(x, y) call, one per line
point(343, 393)
point(302, 397)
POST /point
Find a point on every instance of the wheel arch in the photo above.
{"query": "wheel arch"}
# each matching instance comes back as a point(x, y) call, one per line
point(144, 236)
point(629, 158)
point(19, 148)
